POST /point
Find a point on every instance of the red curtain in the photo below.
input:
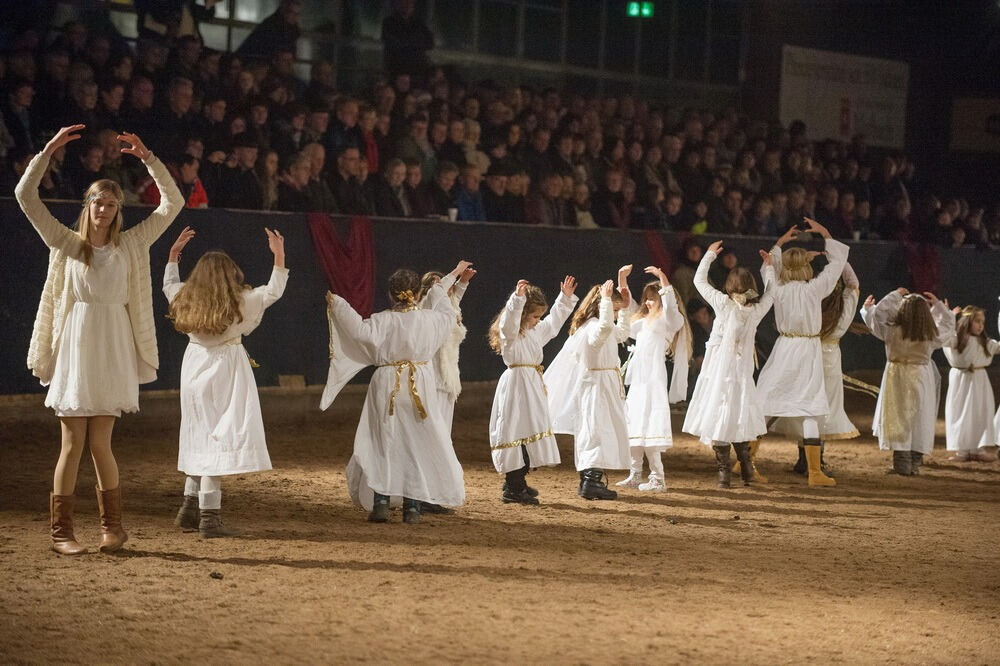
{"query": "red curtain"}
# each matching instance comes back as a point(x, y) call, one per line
point(349, 265)
point(658, 252)
point(924, 264)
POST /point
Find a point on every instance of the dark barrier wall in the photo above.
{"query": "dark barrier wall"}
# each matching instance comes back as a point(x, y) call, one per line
point(293, 338)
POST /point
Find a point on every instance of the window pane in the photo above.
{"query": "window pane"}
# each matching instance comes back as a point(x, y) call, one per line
point(619, 45)
point(453, 24)
point(691, 18)
point(654, 59)
point(239, 36)
point(221, 8)
point(125, 23)
point(498, 28)
point(584, 32)
point(542, 34)
point(214, 36)
point(254, 11)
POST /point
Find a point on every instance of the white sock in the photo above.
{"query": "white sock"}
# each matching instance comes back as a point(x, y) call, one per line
point(191, 485)
point(210, 495)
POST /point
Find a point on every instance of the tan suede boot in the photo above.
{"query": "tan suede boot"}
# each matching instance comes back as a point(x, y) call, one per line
point(757, 476)
point(61, 525)
point(816, 475)
point(113, 535)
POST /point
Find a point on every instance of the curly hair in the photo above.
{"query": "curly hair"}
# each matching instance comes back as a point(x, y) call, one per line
point(210, 300)
point(534, 300)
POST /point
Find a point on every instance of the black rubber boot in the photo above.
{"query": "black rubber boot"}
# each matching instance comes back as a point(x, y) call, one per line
point(515, 490)
point(801, 466)
point(901, 463)
point(427, 507)
point(595, 487)
point(916, 460)
point(722, 462)
point(742, 450)
point(380, 509)
point(411, 511)
point(822, 463)
point(582, 479)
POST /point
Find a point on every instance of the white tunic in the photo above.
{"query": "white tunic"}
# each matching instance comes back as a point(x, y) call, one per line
point(728, 406)
point(95, 371)
point(648, 404)
point(398, 451)
point(792, 381)
point(969, 406)
point(520, 414)
point(222, 431)
point(446, 371)
point(907, 407)
point(836, 424)
point(587, 393)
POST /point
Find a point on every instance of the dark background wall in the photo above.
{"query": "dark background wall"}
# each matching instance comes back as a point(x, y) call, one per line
point(293, 338)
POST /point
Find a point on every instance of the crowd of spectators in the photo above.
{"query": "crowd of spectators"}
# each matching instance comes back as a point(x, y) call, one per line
point(240, 130)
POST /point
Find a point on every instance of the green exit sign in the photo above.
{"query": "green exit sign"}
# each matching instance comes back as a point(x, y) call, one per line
point(640, 9)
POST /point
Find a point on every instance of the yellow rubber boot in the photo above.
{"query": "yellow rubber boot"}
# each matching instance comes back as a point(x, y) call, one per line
point(816, 475)
point(757, 476)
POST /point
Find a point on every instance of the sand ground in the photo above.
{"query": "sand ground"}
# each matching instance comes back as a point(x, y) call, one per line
point(879, 569)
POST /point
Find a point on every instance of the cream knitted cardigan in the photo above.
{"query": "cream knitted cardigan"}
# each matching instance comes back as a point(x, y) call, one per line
point(64, 247)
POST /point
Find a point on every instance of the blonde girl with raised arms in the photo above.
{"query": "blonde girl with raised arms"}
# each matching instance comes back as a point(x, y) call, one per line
point(912, 327)
point(222, 432)
point(726, 411)
point(94, 339)
point(521, 434)
point(658, 326)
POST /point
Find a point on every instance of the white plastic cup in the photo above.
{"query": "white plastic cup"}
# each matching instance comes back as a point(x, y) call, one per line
point(452, 214)
point(856, 234)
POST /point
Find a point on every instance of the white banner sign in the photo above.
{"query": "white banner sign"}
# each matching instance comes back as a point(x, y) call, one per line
point(839, 95)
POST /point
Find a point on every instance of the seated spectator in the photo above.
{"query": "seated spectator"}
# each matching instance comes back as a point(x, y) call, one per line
point(185, 173)
point(344, 131)
point(174, 123)
point(86, 169)
point(346, 184)
point(473, 155)
point(291, 138)
point(439, 193)
point(673, 219)
point(762, 222)
point(211, 126)
point(266, 169)
point(419, 197)
point(138, 114)
point(545, 206)
point(770, 173)
point(19, 117)
point(111, 93)
point(453, 148)
point(496, 202)
point(518, 184)
point(731, 220)
point(320, 197)
point(388, 193)
point(536, 155)
point(113, 167)
point(609, 206)
point(827, 212)
point(561, 154)
point(682, 277)
point(238, 185)
point(468, 198)
point(372, 152)
point(581, 207)
point(259, 122)
point(293, 186)
point(416, 146)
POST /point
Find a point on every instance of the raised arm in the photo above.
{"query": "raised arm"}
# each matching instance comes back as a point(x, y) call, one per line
point(275, 286)
point(171, 199)
point(53, 233)
point(550, 326)
point(944, 319)
point(171, 274)
point(605, 317)
point(878, 315)
point(463, 283)
point(510, 318)
point(836, 253)
point(712, 296)
point(761, 307)
point(791, 234)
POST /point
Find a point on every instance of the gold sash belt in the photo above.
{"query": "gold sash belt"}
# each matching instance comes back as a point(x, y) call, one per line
point(418, 404)
point(540, 369)
point(797, 335)
point(618, 373)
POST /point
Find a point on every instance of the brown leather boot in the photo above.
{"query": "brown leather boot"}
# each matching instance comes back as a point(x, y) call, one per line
point(113, 536)
point(742, 450)
point(61, 523)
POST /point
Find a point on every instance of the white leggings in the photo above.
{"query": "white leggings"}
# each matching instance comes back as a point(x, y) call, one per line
point(208, 490)
point(652, 454)
point(810, 427)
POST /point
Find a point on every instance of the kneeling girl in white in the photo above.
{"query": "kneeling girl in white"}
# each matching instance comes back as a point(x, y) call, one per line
point(520, 426)
point(969, 406)
point(657, 326)
point(222, 431)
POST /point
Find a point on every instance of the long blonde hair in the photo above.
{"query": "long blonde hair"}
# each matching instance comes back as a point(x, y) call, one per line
point(965, 319)
point(84, 223)
point(534, 299)
point(915, 320)
point(832, 307)
point(209, 302)
point(652, 292)
point(795, 265)
point(590, 306)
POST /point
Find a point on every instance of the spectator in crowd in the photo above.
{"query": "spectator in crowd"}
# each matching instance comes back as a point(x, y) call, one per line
point(453, 148)
point(762, 222)
point(18, 117)
point(416, 146)
point(211, 125)
point(439, 193)
point(609, 207)
point(388, 192)
point(581, 207)
point(673, 218)
point(111, 96)
point(278, 31)
point(468, 198)
point(85, 169)
point(293, 185)
point(292, 137)
point(545, 206)
point(238, 185)
point(406, 39)
point(185, 173)
point(266, 169)
point(682, 277)
point(321, 199)
point(497, 204)
point(346, 183)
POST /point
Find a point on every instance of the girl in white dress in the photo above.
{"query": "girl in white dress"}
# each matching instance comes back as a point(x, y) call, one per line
point(586, 389)
point(727, 409)
point(222, 432)
point(839, 310)
point(520, 425)
point(969, 406)
point(94, 338)
point(906, 412)
point(659, 324)
point(792, 383)
point(402, 447)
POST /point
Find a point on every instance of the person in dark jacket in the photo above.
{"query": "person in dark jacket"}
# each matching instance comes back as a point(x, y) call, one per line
point(406, 39)
point(278, 31)
point(347, 190)
point(388, 192)
point(238, 186)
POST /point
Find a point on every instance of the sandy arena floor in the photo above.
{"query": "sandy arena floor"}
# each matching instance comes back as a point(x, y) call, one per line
point(879, 569)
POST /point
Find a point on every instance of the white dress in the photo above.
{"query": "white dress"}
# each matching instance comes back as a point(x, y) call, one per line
point(907, 407)
point(446, 370)
point(969, 406)
point(587, 392)
point(520, 414)
point(648, 404)
point(95, 371)
point(792, 382)
point(400, 449)
point(222, 431)
point(836, 424)
point(728, 406)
